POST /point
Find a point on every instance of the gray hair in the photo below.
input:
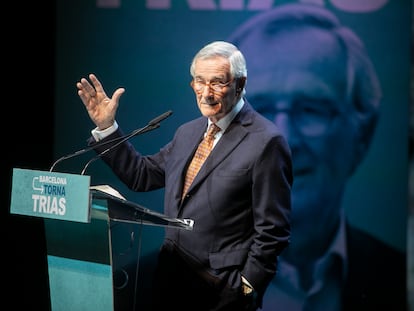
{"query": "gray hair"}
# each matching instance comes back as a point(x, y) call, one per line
point(364, 92)
point(227, 50)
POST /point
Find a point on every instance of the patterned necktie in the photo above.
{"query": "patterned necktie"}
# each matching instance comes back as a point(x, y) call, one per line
point(203, 150)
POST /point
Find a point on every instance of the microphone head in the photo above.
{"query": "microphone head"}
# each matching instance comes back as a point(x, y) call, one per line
point(160, 118)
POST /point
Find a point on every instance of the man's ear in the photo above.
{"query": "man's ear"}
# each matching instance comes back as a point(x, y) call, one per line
point(240, 84)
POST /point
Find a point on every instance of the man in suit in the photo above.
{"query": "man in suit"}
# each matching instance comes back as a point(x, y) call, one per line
point(239, 200)
point(313, 78)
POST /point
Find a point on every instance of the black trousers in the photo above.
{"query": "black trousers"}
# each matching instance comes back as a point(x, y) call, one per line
point(179, 285)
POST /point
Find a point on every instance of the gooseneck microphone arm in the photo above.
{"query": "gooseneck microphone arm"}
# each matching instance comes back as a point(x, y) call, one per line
point(144, 129)
point(147, 128)
point(84, 150)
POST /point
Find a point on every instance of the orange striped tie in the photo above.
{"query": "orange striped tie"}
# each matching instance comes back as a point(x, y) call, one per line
point(203, 150)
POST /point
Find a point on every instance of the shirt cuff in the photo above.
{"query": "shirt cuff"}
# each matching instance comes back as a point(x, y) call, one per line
point(244, 280)
point(101, 134)
point(247, 288)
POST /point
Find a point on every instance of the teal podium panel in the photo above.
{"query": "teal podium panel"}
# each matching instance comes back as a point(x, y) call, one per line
point(79, 263)
point(93, 238)
point(79, 285)
point(50, 195)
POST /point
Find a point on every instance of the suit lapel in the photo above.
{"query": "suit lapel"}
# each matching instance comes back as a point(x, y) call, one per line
point(228, 142)
point(191, 141)
point(232, 137)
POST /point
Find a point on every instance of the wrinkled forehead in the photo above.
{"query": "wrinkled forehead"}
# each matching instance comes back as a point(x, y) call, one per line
point(212, 67)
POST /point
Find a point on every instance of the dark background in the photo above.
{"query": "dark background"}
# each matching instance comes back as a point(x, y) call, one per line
point(28, 80)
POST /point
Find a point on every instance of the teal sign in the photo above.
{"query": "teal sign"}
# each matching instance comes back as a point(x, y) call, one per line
point(50, 195)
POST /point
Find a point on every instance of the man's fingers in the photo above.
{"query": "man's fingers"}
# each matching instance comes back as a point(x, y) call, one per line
point(96, 83)
point(117, 94)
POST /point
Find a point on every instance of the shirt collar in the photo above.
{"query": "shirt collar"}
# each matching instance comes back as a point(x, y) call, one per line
point(224, 122)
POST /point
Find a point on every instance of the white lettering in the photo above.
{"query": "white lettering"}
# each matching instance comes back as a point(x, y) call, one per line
point(43, 202)
point(35, 198)
point(49, 205)
point(62, 206)
point(52, 206)
point(53, 180)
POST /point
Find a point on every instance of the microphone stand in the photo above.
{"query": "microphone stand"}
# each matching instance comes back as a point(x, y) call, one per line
point(147, 128)
point(153, 124)
point(82, 151)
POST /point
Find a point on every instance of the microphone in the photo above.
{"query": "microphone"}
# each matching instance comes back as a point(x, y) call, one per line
point(153, 124)
point(139, 131)
point(160, 118)
point(146, 128)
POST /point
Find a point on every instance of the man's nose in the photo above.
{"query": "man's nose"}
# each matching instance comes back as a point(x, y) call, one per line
point(207, 91)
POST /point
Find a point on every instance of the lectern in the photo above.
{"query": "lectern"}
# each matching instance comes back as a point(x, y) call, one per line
point(93, 237)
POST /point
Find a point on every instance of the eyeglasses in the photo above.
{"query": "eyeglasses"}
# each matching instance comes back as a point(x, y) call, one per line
point(216, 86)
point(311, 119)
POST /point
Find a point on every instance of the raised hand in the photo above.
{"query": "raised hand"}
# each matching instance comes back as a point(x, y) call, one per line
point(100, 107)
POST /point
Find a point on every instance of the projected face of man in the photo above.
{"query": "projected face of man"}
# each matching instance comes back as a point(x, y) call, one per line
point(297, 78)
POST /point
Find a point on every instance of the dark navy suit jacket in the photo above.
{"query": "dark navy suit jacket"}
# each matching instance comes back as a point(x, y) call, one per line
point(239, 201)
